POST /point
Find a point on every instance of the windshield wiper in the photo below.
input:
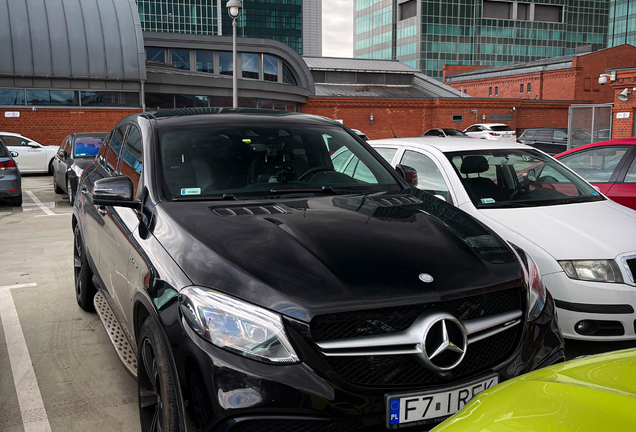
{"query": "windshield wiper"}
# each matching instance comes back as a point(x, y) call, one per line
point(224, 197)
point(323, 189)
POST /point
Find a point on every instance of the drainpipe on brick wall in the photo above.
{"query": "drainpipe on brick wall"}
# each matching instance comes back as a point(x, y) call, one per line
point(143, 96)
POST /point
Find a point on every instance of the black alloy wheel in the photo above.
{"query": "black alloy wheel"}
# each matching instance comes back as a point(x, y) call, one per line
point(155, 382)
point(84, 289)
point(69, 191)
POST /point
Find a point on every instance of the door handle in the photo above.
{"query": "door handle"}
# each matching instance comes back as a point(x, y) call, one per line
point(101, 210)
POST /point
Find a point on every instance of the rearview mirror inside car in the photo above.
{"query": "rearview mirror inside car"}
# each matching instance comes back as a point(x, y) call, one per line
point(114, 191)
point(408, 173)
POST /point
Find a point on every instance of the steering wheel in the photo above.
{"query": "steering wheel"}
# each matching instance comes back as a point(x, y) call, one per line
point(546, 178)
point(523, 188)
point(313, 170)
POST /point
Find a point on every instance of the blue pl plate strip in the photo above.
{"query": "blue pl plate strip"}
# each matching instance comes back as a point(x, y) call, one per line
point(394, 411)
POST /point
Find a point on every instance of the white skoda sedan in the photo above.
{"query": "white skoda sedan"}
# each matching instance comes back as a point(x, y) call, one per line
point(33, 157)
point(584, 244)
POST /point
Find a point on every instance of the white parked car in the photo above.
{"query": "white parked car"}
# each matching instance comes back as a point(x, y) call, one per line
point(33, 157)
point(583, 243)
point(491, 131)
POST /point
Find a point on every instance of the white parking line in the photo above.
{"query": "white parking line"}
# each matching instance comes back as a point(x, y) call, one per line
point(34, 418)
point(39, 204)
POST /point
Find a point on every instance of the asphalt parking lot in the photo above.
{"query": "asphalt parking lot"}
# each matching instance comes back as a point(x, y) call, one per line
point(58, 370)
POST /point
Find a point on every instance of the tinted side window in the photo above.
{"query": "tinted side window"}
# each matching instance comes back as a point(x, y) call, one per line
point(560, 135)
point(132, 163)
point(112, 160)
point(432, 133)
point(387, 153)
point(64, 146)
point(529, 134)
point(103, 152)
point(544, 135)
point(631, 174)
point(15, 141)
point(595, 165)
point(429, 177)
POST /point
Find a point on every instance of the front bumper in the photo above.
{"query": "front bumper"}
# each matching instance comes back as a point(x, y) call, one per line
point(223, 391)
point(610, 304)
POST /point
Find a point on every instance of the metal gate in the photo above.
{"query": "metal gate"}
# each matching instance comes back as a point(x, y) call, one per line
point(588, 124)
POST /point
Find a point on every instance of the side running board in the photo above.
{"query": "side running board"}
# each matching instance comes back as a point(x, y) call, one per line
point(116, 334)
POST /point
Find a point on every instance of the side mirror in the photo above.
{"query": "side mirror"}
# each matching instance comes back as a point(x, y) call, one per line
point(596, 188)
point(408, 173)
point(14, 154)
point(63, 154)
point(114, 191)
point(440, 197)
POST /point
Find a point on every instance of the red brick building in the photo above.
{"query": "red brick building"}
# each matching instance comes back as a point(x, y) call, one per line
point(571, 78)
point(623, 123)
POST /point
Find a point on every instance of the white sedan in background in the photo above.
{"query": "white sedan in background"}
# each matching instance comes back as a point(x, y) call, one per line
point(491, 131)
point(583, 243)
point(33, 157)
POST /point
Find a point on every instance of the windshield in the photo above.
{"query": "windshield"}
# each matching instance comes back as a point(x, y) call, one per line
point(454, 132)
point(518, 178)
point(258, 161)
point(502, 128)
point(87, 147)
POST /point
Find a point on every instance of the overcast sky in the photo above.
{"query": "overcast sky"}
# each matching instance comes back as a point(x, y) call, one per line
point(337, 28)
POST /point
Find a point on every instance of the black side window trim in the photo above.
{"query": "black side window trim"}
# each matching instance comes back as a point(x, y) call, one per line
point(623, 167)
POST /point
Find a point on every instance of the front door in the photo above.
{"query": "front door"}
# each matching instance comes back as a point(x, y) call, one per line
point(623, 191)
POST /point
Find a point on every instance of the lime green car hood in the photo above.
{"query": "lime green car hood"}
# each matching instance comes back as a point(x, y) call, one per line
point(595, 393)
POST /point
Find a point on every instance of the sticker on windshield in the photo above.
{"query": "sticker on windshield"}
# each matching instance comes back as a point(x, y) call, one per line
point(191, 191)
point(487, 200)
point(595, 193)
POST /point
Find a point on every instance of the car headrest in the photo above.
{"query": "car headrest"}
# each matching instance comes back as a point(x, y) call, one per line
point(474, 165)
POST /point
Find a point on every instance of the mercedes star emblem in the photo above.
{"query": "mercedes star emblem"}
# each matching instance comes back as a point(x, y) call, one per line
point(444, 343)
point(425, 277)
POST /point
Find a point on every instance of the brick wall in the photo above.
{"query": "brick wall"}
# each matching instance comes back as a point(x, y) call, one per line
point(579, 82)
point(410, 118)
point(624, 128)
point(49, 126)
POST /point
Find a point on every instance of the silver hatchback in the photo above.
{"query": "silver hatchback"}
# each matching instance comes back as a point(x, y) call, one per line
point(10, 180)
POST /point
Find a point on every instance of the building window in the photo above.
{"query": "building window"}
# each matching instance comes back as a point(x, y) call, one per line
point(225, 63)
point(529, 87)
point(496, 91)
point(52, 97)
point(265, 104)
point(497, 9)
point(288, 76)
point(489, 91)
point(270, 68)
point(205, 61)
point(109, 98)
point(523, 11)
point(250, 65)
point(408, 9)
point(548, 13)
point(156, 55)
point(159, 100)
point(181, 59)
point(187, 101)
point(465, 91)
point(11, 97)
point(457, 117)
point(521, 88)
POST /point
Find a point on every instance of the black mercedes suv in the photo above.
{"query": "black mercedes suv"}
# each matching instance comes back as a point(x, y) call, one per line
point(252, 278)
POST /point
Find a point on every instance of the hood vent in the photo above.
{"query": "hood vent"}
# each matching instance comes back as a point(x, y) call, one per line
point(395, 200)
point(263, 210)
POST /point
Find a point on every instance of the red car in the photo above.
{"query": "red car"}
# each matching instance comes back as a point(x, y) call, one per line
point(610, 165)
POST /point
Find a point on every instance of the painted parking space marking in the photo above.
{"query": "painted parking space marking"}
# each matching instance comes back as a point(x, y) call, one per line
point(37, 201)
point(34, 418)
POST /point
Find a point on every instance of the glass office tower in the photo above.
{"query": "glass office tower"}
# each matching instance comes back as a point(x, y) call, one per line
point(297, 23)
point(622, 23)
point(179, 16)
point(427, 34)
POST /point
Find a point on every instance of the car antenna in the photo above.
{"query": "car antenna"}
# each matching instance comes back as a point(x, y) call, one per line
point(387, 122)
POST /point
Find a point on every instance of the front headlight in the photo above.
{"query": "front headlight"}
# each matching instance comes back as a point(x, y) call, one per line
point(593, 270)
point(237, 326)
point(536, 289)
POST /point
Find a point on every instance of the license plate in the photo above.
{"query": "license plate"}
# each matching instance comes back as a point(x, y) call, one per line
point(506, 135)
point(426, 407)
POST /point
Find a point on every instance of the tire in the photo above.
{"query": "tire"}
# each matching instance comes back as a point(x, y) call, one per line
point(56, 187)
point(69, 191)
point(16, 201)
point(84, 289)
point(156, 388)
point(51, 167)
